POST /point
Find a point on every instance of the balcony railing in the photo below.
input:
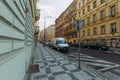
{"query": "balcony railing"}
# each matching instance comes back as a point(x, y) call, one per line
point(37, 14)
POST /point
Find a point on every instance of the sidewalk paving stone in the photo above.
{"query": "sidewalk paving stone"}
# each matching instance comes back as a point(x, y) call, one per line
point(53, 66)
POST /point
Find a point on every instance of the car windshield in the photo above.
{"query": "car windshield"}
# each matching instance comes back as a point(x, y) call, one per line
point(61, 41)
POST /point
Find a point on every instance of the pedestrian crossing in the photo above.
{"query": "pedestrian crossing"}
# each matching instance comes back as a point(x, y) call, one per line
point(117, 52)
point(101, 66)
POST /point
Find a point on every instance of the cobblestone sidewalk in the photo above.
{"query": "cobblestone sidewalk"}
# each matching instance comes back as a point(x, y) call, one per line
point(55, 66)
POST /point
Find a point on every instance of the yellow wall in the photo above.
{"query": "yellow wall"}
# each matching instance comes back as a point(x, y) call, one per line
point(99, 22)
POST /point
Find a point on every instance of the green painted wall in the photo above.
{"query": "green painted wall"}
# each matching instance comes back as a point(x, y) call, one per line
point(16, 38)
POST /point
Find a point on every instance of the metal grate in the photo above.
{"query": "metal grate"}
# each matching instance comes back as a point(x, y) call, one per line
point(33, 68)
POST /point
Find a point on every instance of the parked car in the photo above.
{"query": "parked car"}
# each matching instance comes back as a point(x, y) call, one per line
point(50, 44)
point(97, 46)
point(103, 47)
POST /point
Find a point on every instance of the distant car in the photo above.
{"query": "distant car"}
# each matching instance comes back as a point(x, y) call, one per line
point(103, 47)
point(50, 44)
point(98, 47)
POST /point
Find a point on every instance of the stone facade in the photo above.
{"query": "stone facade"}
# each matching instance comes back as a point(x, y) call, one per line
point(101, 21)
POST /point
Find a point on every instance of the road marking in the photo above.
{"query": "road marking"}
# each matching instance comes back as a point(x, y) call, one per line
point(94, 62)
point(117, 52)
point(109, 51)
point(111, 67)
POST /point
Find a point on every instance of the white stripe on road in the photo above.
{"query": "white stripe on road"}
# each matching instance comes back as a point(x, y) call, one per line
point(117, 52)
point(104, 69)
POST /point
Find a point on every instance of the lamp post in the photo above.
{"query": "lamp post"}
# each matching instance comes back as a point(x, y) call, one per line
point(44, 27)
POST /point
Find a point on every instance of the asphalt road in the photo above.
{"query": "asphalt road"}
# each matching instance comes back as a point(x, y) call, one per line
point(104, 62)
point(104, 55)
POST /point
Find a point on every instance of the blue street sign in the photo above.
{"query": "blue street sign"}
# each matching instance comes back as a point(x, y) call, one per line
point(78, 24)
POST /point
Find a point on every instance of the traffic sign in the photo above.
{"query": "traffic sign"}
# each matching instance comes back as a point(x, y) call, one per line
point(78, 24)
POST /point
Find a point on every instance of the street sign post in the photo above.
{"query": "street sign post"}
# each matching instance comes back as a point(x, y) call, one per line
point(78, 24)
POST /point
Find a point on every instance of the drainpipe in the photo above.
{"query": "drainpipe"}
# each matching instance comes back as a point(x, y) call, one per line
point(26, 38)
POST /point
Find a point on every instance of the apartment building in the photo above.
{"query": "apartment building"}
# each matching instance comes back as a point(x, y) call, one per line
point(59, 25)
point(41, 36)
point(64, 26)
point(70, 31)
point(17, 37)
point(101, 21)
point(50, 33)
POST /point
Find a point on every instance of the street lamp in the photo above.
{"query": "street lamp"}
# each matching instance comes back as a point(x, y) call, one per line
point(44, 27)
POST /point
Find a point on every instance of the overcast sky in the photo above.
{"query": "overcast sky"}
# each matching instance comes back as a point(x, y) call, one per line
point(51, 8)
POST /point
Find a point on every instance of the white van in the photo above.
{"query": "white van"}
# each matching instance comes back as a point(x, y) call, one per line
point(60, 44)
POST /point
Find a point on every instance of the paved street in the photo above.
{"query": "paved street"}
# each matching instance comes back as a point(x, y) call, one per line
point(105, 62)
point(54, 65)
point(104, 55)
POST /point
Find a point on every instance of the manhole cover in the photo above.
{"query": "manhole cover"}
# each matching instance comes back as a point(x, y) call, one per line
point(33, 68)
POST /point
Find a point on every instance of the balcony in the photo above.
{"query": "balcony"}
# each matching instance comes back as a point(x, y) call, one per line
point(37, 14)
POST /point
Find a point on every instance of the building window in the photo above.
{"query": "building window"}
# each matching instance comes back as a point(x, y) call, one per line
point(94, 17)
point(83, 22)
point(94, 4)
point(113, 10)
point(88, 8)
point(88, 20)
point(79, 14)
point(102, 13)
point(83, 1)
point(88, 32)
point(113, 28)
point(83, 33)
point(102, 1)
point(94, 31)
point(83, 11)
point(103, 29)
point(79, 4)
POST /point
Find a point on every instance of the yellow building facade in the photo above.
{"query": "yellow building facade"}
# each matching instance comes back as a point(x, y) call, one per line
point(101, 22)
point(59, 25)
point(64, 26)
point(50, 32)
point(70, 31)
point(41, 36)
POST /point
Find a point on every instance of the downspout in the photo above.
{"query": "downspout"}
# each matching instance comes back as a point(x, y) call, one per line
point(26, 39)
